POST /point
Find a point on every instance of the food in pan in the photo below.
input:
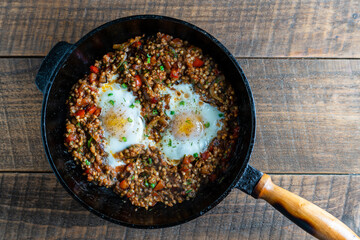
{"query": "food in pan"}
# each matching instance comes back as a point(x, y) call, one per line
point(154, 119)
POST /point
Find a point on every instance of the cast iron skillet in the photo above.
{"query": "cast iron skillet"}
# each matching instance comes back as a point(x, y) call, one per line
point(66, 63)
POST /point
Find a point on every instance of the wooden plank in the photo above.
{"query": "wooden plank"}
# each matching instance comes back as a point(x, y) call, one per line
point(34, 205)
point(308, 115)
point(260, 28)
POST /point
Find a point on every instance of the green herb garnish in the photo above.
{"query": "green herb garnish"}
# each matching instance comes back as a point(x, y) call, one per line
point(146, 135)
point(87, 162)
point(188, 121)
point(110, 94)
point(173, 51)
point(162, 68)
point(122, 66)
point(124, 85)
point(146, 183)
point(221, 115)
point(78, 124)
point(155, 112)
point(148, 58)
point(188, 191)
point(207, 125)
point(124, 139)
point(150, 161)
point(172, 112)
point(152, 185)
point(132, 106)
point(132, 178)
point(137, 101)
point(188, 182)
point(182, 103)
point(129, 119)
point(169, 144)
point(112, 102)
point(196, 155)
point(89, 142)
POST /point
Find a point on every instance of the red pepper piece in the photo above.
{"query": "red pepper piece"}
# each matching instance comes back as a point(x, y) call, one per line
point(80, 113)
point(94, 69)
point(174, 73)
point(154, 100)
point(70, 138)
point(97, 112)
point(198, 62)
point(137, 44)
point(91, 109)
point(205, 155)
point(138, 81)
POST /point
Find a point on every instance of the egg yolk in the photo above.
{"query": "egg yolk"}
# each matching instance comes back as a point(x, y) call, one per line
point(187, 126)
point(115, 123)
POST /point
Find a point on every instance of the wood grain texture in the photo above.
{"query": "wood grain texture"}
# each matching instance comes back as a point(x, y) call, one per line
point(34, 205)
point(260, 28)
point(310, 217)
point(308, 114)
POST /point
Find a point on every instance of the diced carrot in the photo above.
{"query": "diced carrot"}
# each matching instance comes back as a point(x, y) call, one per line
point(160, 185)
point(124, 184)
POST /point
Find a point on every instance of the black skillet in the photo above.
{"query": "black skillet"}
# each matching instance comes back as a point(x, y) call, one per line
point(66, 63)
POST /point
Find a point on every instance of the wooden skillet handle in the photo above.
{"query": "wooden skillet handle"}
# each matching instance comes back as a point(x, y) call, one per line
point(305, 214)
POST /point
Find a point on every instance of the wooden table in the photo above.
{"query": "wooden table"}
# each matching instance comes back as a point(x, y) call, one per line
point(302, 62)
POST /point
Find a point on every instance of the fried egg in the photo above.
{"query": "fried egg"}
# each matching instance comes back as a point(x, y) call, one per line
point(193, 123)
point(121, 120)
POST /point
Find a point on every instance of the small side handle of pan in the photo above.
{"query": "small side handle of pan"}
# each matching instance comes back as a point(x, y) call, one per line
point(50, 63)
point(305, 214)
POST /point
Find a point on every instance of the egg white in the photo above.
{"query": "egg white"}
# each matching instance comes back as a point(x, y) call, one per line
point(185, 101)
point(121, 120)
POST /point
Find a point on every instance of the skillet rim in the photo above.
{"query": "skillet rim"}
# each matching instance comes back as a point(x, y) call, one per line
point(74, 46)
